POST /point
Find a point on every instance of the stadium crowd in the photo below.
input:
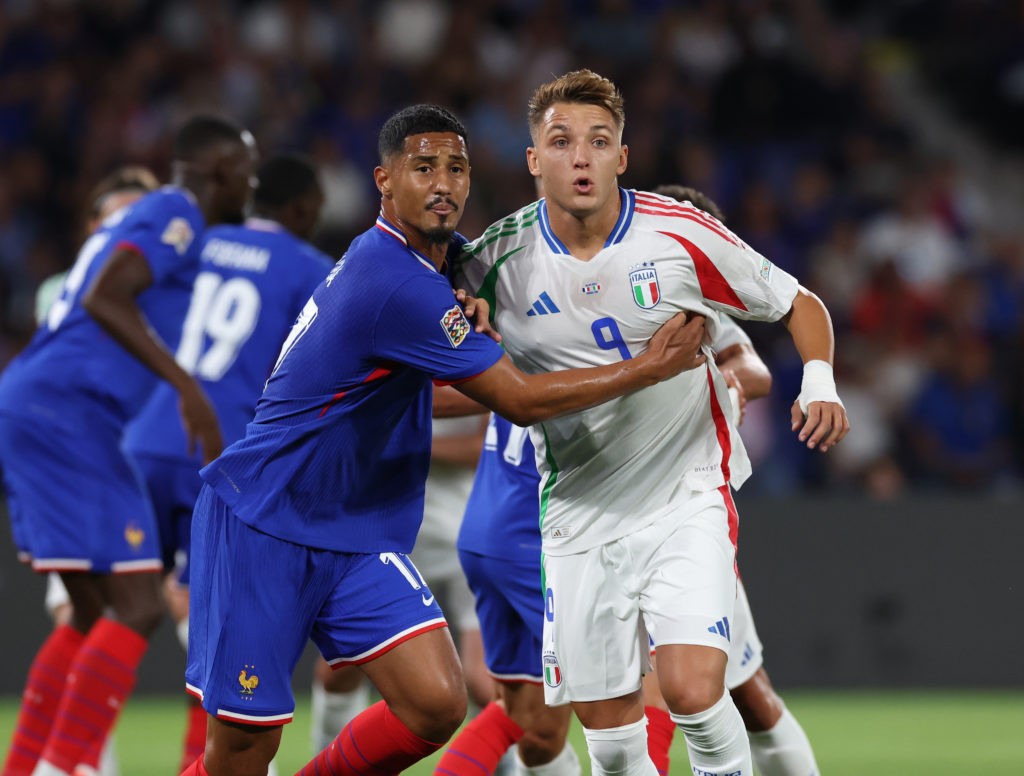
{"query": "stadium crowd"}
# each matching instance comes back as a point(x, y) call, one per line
point(777, 109)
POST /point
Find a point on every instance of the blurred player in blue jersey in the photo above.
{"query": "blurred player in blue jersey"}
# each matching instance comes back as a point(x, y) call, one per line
point(64, 402)
point(253, 280)
point(117, 190)
point(303, 526)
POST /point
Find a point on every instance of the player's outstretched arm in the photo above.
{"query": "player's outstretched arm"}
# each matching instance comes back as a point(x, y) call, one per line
point(817, 413)
point(110, 300)
point(449, 403)
point(527, 399)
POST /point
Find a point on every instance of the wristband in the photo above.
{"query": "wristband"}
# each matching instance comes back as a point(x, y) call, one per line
point(818, 385)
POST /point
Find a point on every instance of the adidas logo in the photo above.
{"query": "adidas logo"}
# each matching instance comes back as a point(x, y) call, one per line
point(543, 306)
point(722, 628)
point(748, 653)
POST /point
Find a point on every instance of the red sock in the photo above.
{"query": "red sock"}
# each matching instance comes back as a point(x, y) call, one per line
point(481, 744)
point(196, 769)
point(91, 756)
point(101, 677)
point(40, 700)
point(375, 742)
point(660, 728)
point(195, 733)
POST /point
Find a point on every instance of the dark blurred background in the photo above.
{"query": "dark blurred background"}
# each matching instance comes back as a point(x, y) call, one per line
point(873, 149)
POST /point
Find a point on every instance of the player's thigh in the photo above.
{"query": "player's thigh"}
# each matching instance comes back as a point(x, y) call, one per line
point(688, 561)
point(595, 645)
point(745, 651)
point(248, 628)
point(80, 504)
point(510, 610)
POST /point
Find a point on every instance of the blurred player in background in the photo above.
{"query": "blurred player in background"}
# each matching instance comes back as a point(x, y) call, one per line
point(317, 492)
point(78, 506)
point(119, 189)
point(638, 525)
point(778, 744)
point(253, 280)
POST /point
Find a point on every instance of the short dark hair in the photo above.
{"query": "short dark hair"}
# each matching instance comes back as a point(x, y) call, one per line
point(132, 177)
point(202, 132)
point(415, 120)
point(283, 178)
point(689, 194)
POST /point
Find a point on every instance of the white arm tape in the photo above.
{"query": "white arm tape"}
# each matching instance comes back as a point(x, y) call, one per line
point(818, 385)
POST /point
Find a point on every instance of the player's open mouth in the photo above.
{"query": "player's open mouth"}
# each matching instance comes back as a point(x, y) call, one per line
point(582, 185)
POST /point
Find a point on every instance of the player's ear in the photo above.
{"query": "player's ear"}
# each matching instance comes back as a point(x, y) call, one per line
point(383, 181)
point(531, 161)
point(623, 158)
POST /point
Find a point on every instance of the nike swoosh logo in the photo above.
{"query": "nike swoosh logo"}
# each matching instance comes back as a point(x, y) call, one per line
point(427, 601)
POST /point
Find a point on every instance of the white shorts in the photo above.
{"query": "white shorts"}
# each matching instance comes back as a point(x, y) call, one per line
point(674, 580)
point(745, 653)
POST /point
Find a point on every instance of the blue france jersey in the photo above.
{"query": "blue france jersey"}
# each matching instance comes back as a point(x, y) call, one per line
point(338, 453)
point(253, 281)
point(502, 517)
point(73, 368)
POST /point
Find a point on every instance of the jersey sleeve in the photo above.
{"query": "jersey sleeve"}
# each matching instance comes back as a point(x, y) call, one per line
point(733, 277)
point(421, 325)
point(163, 227)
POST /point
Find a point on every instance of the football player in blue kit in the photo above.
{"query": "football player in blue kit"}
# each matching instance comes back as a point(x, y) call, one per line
point(302, 528)
point(64, 402)
point(253, 280)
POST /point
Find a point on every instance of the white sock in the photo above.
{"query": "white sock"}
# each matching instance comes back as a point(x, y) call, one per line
point(716, 740)
point(108, 759)
point(44, 768)
point(784, 750)
point(181, 628)
point(620, 751)
point(331, 711)
point(566, 763)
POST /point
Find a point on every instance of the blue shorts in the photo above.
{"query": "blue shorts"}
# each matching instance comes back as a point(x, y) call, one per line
point(79, 504)
point(510, 605)
point(173, 485)
point(256, 600)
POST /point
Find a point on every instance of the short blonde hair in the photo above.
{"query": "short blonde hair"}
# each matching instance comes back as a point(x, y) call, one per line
point(581, 87)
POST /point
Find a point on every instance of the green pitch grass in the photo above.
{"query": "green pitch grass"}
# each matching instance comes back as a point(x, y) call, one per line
point(854, 734)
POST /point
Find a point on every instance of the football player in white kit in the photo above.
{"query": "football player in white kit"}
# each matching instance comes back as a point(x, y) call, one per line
point(638, 524)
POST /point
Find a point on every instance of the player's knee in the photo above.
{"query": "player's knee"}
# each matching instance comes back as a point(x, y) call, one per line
point(619, 750)
point(758, 703)
point(438, 714)
point(697, 693)
point(143, 616)
point(539, 747)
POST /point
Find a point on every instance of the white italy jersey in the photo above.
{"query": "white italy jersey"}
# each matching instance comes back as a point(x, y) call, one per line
point(615, 468)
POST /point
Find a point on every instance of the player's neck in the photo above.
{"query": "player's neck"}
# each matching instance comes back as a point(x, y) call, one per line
point(584, 234)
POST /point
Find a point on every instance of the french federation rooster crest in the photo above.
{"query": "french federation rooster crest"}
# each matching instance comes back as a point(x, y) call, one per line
point(249, 683)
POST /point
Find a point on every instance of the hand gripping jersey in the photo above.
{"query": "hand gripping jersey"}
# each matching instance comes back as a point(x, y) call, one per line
point(73, 370)
point(338, 452)
point(252, 284)
point(612, 469)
